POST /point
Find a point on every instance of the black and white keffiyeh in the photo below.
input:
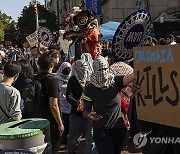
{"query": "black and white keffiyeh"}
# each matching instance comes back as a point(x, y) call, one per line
point(121, 68)
point(89, 61)
point(80, 70)
point(101, 77)
point(59, 73)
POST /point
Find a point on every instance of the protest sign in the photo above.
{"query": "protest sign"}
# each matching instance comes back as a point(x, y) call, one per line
point(132, 32)
point(33, 39)
point(45, 36)
point(157, 71)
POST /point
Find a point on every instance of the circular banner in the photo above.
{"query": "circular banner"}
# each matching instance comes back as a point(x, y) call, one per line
point(133, 31)
point(45, 36)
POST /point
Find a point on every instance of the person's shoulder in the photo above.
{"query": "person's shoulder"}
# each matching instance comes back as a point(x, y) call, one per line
point(51, 79)
point(14, 90)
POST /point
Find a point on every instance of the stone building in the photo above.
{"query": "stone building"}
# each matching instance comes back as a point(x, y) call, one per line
point(62, 7)
point(117, 10)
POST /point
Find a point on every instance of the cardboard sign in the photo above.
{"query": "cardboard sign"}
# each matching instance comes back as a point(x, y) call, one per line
point(132, 32)
point(33, 39)
point(45, 36)
point(157, 71)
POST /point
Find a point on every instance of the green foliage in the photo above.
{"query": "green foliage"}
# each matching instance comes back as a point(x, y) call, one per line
point(6, 23)
point(27, 20)
point(1, 31)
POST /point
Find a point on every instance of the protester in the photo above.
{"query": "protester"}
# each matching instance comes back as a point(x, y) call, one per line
point(162, 41)
point(50, 90)
point(155, 41)
point(9, 96)
point(63, 74)
point(34, 56)
point(55, 54)
point(105, 48)
point(25, 76)
point(102, 95)
point(122, 69)
point(178, 39)
point(171, 39)
point(78, 123)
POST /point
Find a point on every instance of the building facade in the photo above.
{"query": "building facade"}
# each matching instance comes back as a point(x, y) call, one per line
point(62, 7)
point(117, 10)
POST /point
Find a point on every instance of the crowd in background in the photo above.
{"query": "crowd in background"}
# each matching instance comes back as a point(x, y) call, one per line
point(72, 93)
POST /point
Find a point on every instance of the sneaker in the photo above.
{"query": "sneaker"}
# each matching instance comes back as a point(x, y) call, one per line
point(62, 146)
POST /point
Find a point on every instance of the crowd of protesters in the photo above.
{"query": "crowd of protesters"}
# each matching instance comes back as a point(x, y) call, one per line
point(87, 97)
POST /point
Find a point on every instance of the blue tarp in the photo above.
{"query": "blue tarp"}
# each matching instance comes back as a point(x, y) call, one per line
point(108, 29)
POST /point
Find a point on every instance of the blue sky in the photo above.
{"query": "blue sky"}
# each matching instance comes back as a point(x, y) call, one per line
point(13, 8)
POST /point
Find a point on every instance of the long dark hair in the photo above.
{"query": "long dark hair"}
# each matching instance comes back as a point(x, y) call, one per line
point(27, 71)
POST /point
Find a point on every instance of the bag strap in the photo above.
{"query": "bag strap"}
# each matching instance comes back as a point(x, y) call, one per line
point(4, 112)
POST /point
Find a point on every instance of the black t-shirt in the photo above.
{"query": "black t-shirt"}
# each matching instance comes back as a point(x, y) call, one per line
point(107, 103)
point(19, 84)
point(73, 94)
point(50, 89)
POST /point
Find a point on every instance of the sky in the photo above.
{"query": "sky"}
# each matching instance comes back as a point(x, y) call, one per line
point(13, 8)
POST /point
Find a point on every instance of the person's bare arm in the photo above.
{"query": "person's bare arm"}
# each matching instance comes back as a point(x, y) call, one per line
point(56, 113)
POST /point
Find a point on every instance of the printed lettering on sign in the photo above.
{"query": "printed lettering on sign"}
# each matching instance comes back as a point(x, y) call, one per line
point(132, 32)
point(158, 73)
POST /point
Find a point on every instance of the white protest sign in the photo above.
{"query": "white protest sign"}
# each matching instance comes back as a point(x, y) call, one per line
point(33, 39)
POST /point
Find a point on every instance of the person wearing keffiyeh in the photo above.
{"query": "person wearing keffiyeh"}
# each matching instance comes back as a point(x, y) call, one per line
point(63, 74)
point(102, 94)
point(121, 68)
point(78, 123)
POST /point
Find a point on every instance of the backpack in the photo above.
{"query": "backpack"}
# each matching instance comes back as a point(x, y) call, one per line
point(34, 102)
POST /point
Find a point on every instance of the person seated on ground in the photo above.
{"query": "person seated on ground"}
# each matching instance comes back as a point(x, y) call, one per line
point(9, 96)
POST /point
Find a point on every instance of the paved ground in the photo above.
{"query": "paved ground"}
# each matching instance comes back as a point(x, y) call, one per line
point(81, 149)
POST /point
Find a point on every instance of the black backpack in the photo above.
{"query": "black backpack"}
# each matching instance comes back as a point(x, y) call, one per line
point(34, 103)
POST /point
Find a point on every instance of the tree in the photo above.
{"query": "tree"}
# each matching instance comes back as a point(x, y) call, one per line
point(6, 23)
point(27, 20)
point(1, 31)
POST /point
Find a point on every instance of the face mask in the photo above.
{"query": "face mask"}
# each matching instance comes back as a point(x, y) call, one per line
point(56, 60)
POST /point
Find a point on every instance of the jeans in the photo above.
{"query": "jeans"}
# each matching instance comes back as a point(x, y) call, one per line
point(109, 141)
point(78, 124)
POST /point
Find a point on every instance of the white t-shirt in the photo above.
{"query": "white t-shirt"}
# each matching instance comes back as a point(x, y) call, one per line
point(65, 106)
point(10, 102)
